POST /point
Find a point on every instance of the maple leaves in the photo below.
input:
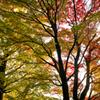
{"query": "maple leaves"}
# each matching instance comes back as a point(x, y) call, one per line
point(93, 51)
point(80, 11)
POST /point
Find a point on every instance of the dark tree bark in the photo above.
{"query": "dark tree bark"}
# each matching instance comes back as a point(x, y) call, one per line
point(75, 88)
point(62, 72)
point(1, 94)
point(2, 71)
point(65, 88)
point(87, 81)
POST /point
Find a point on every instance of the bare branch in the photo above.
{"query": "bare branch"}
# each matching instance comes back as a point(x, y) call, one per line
point(69, 55)
point(87, 48)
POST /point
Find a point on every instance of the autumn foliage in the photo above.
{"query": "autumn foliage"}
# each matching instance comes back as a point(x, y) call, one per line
point(60, 36)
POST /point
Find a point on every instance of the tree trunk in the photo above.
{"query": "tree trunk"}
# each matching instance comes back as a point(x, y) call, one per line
point(75, 88)
point(65, 91)
point(1, 94)
point(64, 85)
point(87, 81)
point(2, 81)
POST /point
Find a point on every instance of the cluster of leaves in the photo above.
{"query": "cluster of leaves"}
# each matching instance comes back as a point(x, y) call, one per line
point(23, 77)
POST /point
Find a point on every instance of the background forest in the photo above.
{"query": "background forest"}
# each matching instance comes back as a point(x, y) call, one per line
point(49, 49)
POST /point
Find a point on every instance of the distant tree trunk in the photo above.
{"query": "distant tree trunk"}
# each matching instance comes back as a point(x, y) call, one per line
point(2, 72)
point(1, 94)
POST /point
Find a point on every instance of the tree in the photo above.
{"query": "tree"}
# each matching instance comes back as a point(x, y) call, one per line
point(39, 20)
point(20, 70)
